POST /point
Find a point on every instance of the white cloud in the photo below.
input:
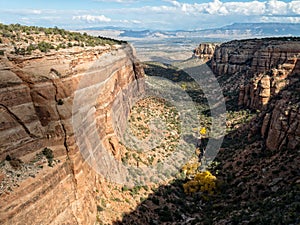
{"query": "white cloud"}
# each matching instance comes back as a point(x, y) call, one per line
point(294, 6)
point(175, 3)
point(213, 7)
point(130, 21)
point(276, 7)
point(162, 8)
point(246, 8)
point(24, 11)
point(92, 19)
point(136, 21)
point(180, 13)
point(37, 12)
point(217, 7)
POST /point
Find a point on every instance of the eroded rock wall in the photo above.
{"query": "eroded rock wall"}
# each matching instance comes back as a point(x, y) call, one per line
point(36, 110)
point(265, 73)
point(205, 51)
point(254, 55)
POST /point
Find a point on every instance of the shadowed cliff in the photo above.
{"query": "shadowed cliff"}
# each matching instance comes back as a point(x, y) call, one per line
point(257, 164)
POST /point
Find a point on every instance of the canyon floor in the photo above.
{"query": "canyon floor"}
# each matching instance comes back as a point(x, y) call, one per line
point(254, 185)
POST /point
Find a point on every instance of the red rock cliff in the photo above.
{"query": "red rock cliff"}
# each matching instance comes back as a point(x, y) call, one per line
point(265, 73)
point(36, 97)
point(205, 51)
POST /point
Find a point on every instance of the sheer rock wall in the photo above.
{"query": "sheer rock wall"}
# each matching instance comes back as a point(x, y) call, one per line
point(36, 109)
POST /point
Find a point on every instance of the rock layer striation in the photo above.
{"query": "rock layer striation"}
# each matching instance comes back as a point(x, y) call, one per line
point(36, 111)
point(205, 51)
point(265, 73)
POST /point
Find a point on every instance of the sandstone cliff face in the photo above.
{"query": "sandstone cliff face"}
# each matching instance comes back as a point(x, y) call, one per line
point(255, 55)
point(259, 66)
point(205, 51)
point(265, 73)
point(257, 93)
point(36, 99)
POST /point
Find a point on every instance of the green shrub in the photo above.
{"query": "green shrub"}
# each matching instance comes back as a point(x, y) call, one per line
point(99, 208)
point(19, 51)
point(49, 155)
point(15, 163)
point(44, 46)
point(14, 32)
point(125, 188)
point(31, 48)
point(60, 102)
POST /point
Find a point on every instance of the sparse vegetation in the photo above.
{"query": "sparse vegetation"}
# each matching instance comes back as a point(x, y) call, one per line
point(49, 155)
point(60, 102)
point(15, 163)
point(143, 114)
point(99, 208)
point(203, 182)
point(45, 46)
point(247, 184)
point(26, 39)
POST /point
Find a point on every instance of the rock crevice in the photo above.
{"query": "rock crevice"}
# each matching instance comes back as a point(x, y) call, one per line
point(18, 120)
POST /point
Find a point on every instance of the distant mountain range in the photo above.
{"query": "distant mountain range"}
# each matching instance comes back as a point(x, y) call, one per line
point(257, 29)
point(236, 30)
point(147, 34)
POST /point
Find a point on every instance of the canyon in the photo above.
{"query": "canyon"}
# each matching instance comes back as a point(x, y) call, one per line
point(257, 165)
point(37, 98)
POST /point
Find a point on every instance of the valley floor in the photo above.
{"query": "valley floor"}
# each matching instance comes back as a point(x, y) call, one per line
point(254, 185)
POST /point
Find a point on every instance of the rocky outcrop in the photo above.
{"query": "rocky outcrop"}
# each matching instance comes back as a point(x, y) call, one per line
point(257, 93)
point(255, 55)
point(205, 51)
point(258, 67)
point(36, 100)
point(281, 128)
point(266, 75)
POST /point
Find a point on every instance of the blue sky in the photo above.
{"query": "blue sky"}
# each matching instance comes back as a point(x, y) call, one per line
point(147, 14)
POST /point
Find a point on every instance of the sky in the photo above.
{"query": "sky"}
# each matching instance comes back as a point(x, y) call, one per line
point(147, 14)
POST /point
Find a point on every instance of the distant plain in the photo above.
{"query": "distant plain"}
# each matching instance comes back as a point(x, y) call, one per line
point(164, 49)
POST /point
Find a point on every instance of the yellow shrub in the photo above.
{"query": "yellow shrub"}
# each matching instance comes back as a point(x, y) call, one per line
point(190, 169)
point(203, 182)
point(203, 131)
